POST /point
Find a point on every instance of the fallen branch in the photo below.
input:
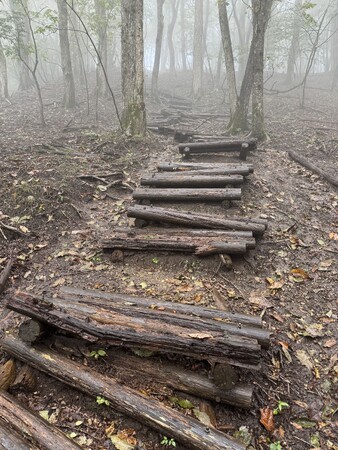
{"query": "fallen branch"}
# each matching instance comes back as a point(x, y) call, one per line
point(165, 420)
point(4, 276)
point(310, 166)
point(12, 229)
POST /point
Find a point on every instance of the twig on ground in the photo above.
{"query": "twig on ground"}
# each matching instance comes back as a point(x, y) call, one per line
point(4, 276)
point(12, 229)
point(233, 285)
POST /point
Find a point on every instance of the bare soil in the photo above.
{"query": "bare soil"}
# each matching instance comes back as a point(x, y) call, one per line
point(290, 278)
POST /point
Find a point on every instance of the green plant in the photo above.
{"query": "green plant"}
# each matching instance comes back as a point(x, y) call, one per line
point(97, 353)
point(102, 401)
point(275, 446)
point(168, 441)
point(280, 406)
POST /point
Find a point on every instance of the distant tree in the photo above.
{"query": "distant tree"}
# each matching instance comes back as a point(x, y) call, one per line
point(158, 47)
point(183, 37)
point(294, 47)
point(198, 50)
point(3, 74)
point(170, 31)
point(134, 114)
point(66, 61)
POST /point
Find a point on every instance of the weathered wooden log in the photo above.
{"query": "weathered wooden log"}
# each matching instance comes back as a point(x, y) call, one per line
point(31, 330)
point(31, 426)
point(123, 399)
point(175, 318)
point(9, 440)
point(201, 147)
point(239, 320)
point(7, 374)
point(188, 195)
point(197, 246)
point(181, 379)
point(5, 274)
point(230, 168)
point(192, 219)
point(25, 380)
point(95, 322)
point(313, 167)
point(187, 234)
point(190, 180)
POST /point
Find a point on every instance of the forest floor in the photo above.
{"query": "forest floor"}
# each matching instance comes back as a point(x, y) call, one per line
point(61, 218)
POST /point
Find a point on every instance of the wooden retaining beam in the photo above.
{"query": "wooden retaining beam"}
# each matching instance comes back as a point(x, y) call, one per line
point(9, 440)
point(147, 329)
point(167, 421)
point(190, 180)
point(240, 320)
point(243, 147)
point(31, 426)
point(191, 219)
point(224, 169)
point(188, 195)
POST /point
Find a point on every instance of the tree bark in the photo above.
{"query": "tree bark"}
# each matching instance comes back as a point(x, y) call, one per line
point(134, 114)
point(170, 31)
point(294, 46)
point(66, 62)
point(188, 195)
point(228, 55)
point(31, 426)
point(12, 440)
point(102, 29)
point(190, 180)
point(183, 38)
point(190, 219)
point(125, 400)
point(3, 74)
point(261, 16)
point(198, 50)
point(158, 48)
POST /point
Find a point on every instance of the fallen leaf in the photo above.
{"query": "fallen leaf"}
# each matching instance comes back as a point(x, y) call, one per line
point(59, 282)
point(260, 301)
point(267, 419)
point(304, 359)
point(313, 330)
point(300, 274)
point(330, 343)
point(202, 417)
point(304, 422)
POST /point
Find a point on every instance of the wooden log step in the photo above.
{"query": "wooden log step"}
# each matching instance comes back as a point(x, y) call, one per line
point(186, 234)
point(174, 317)
point(199, 247)
point(190, 180)
point(191, 219)
point(238, 319)
point(182, 380)
point(35, 429)
point(226, 145)
point(229, 168)
point(188, 195)
point(123, 399)
point(118, 327)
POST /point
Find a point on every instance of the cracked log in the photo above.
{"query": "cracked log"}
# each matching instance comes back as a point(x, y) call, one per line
point(225, 169)
point(165, 420)
point(133, 328)
point(31, 426)
point(243, 147)
point(9, 440)
point(192, 219)
point(190, 180)
point(188, 195)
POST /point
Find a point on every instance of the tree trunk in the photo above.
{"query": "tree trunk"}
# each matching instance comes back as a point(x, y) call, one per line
point(198, 50)
point(134, 114)
point(189, 219)
point(294, 47)
point(183, 38)
point(261, 15)
point(158, 48)
point(31, 426)
point(66, 62)
point(170, 31)
point(165, 420)
point(228, 55)
point(102, 25)
point(9, 440)
point(3, 75)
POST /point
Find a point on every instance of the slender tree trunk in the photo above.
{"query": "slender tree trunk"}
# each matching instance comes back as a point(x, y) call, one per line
point(261, 15)
point(158, 48)
point(170, 31)
point(3, 74)
point(183, 39)
point(241, 20)
point(134, 114)
point(102, 24)
point(66, 62)
point(228, 55)
point(334, 51)
point(220, 58)
point(294, 47)
point(198, 50)
point(23, 43)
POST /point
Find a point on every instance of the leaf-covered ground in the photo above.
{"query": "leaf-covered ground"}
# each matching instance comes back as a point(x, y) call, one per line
point(65, 187)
